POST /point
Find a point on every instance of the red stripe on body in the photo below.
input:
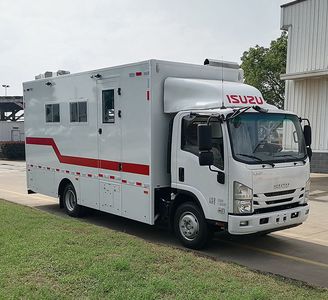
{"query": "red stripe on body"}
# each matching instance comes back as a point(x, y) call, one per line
point(89, 162)
point(109, 165)
point(135, 168)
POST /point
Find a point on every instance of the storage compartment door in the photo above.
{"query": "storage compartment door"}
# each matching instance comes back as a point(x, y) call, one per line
point(110, 197)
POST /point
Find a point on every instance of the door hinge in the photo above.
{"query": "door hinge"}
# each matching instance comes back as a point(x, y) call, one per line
point(119, 91)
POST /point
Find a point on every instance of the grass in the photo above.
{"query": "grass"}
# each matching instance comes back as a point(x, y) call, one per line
point(51, 257)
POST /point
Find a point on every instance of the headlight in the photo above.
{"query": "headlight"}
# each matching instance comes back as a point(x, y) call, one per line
point(242, 199)
point(307, 191)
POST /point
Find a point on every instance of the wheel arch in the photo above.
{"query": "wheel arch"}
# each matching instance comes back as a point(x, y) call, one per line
point(61, 187)
point(183, 196)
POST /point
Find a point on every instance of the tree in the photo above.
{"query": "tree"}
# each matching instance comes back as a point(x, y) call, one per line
point(263, 67)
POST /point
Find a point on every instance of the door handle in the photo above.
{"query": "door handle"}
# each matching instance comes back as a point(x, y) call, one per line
point(181, 174)
point(100, 131)
point(119, 114)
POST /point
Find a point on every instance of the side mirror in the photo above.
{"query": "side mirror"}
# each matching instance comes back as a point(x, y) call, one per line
point(204, 133)
point(307, 135)
point(206, 158)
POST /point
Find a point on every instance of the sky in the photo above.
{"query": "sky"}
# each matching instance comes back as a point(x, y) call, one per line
point(80, 35)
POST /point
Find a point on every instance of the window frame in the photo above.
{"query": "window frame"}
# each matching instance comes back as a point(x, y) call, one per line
point(221, 168)
point(111, 121)
point(52, 114)
point(78, 122)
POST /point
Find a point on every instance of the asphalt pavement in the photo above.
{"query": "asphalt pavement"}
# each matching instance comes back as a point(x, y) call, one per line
point(299, 253)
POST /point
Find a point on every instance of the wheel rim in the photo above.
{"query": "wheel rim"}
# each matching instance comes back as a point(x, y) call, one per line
point(189, 226)
point(70, 200)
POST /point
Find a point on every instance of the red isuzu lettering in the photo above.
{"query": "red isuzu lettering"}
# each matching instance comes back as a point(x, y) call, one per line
point(239, 99)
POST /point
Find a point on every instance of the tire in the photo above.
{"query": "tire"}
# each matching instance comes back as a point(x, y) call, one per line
point(190, 226)
point(69, 200)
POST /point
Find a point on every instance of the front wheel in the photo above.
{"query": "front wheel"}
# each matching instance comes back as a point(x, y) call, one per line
point(190, 226)
point(70, 202)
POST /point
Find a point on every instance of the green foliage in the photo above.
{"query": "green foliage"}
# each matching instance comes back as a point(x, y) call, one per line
point(263, 67)
point(13, 150)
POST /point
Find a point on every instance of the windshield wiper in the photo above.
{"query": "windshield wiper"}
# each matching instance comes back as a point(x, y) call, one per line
point(259, 159)
point(241, 110)
point(285, 155)
point(289, 155)
point(238, 112)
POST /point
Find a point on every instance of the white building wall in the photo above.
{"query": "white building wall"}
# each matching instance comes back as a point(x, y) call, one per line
point(307, 25)
point(308, 98)
point(307, 70)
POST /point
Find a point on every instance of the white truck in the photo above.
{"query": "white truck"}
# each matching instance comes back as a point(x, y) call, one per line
point(186, 145)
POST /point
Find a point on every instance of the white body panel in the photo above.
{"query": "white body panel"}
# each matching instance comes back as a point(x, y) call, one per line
point(137, 140)
point(117, 167)
point(11, 131)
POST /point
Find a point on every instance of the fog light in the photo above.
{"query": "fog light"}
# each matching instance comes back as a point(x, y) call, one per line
point(243, 223)
point(307, 211)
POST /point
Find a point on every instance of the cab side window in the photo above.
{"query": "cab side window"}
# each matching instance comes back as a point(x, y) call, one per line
point(189, 138)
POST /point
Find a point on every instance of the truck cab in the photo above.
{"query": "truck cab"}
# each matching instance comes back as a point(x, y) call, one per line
point(244, 166)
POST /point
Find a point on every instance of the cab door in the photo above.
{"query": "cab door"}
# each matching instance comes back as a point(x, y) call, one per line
point(200, 180)
point(109, 145)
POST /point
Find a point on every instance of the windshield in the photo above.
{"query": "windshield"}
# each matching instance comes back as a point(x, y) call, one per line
point(259, 138)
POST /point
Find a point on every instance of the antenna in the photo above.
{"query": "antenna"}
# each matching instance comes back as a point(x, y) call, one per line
point(222, 93)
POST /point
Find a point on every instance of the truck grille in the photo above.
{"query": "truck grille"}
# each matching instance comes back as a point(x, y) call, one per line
point(281, 193)
point(279, 201)
point(274, 201)
point(276, 208)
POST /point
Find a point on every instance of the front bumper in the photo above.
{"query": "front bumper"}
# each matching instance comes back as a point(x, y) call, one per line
point(268, 221)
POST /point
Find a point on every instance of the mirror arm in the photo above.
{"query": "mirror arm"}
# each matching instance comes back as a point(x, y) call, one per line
point(218, 172)
point(305, 119)
point(212, 170)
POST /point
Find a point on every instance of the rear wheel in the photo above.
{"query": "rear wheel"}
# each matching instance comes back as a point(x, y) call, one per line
point(70, 202)
point(190, 226)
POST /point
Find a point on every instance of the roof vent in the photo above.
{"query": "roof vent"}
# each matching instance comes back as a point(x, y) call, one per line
point(221, 63)
point(49, 74)
point(63, 72)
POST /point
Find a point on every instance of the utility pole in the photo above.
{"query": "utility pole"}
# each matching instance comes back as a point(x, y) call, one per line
point(5, 86)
